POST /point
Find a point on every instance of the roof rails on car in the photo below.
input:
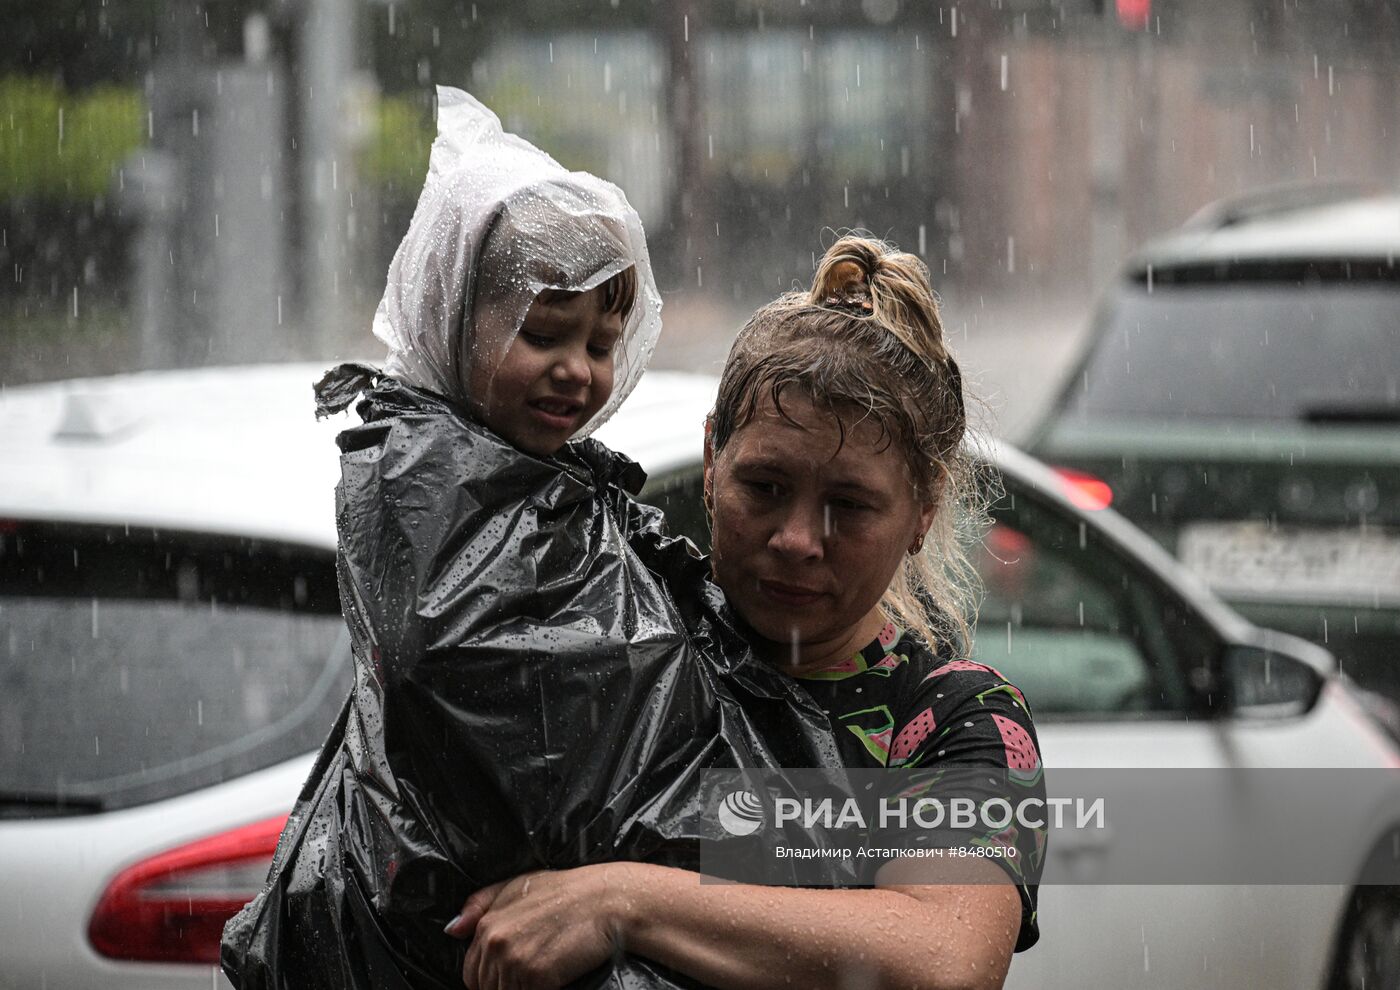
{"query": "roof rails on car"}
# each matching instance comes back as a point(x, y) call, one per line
point(1272, 201)
point(91, 417)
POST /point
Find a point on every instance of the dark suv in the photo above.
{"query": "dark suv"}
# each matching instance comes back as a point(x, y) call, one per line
point(1239, 399)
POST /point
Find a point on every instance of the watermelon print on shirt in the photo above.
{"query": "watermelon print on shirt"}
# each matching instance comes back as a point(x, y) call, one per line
point(896, 704)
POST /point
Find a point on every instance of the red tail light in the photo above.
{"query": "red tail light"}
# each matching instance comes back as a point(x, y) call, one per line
point(1084, 490)
point(172, 907)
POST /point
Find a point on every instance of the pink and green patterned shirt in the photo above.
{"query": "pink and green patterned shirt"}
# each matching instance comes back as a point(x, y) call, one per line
point(896, 704)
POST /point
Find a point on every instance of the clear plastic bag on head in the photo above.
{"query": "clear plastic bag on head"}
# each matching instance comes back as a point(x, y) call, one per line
point(498, 222)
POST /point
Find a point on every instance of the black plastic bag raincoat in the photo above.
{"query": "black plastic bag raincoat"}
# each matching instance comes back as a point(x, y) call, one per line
point(541, 676)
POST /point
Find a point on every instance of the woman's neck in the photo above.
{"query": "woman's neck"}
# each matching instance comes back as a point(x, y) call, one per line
point(799, 659)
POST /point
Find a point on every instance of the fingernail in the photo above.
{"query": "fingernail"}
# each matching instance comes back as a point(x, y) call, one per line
point(452, 926)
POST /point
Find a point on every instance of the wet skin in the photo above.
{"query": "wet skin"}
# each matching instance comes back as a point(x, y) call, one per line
point(808, 530)
point(556, 375)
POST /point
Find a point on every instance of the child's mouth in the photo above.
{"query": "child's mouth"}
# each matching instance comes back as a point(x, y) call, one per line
point(557, 413)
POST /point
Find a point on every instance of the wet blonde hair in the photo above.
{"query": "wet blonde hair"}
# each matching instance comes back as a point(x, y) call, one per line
point(867, 339)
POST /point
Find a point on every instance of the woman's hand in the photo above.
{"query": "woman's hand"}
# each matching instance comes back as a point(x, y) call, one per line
point(541, 930)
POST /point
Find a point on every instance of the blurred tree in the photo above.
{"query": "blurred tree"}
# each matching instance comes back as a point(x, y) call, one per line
point(62, 146)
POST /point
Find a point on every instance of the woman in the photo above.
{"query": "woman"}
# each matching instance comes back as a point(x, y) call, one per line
point(832, 458)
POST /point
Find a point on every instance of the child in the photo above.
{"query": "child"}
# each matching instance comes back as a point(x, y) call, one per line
point(541, 675)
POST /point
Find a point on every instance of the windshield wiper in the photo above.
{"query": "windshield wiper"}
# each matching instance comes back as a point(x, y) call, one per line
point(1352, 412)
point(38, 804)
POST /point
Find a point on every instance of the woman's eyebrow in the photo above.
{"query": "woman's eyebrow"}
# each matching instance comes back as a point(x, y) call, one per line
point(759, 463)
point(847, 486)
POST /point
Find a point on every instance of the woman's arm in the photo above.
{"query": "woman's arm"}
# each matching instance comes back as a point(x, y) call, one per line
point(547, 928)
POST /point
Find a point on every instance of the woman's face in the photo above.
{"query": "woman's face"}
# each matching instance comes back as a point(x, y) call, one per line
point(808, 530)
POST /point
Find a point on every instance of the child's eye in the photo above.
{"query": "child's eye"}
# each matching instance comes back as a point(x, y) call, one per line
point(600, 350)
point(536, 339)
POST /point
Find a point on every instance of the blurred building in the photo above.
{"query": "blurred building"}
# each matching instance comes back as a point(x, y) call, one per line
point(1019, 146)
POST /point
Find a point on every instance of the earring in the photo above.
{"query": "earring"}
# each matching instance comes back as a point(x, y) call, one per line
point(918, 545)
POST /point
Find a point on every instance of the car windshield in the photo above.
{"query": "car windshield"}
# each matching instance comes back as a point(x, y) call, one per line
point(1258, 349)
point(137, 665)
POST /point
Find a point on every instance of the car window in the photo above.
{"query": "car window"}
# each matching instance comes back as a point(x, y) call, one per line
point(1073, 623)
point(681, 496)
point(137, 665)
point(1289, 348)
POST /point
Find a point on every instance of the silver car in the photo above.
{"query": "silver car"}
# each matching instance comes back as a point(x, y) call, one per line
point(171, 654)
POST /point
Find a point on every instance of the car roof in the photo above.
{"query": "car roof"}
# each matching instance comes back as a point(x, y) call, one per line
point(238, 450)
point(1366, 227)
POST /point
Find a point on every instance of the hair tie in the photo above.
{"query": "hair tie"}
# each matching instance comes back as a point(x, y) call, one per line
point(857, 302)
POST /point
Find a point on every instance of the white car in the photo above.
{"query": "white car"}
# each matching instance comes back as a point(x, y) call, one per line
point(171, 654)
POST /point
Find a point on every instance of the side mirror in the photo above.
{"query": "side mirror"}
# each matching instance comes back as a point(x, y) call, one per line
point(1278, 676)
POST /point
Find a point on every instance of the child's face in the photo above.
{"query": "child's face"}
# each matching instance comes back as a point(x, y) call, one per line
point(557, 373)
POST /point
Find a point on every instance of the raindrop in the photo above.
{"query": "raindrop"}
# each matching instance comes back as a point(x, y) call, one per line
point(1004, 73)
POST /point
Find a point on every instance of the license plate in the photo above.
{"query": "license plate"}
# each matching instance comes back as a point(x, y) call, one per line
point(1252, 560)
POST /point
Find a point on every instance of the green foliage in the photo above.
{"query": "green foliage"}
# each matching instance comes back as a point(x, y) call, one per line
point(396, 149)
point(62, 146)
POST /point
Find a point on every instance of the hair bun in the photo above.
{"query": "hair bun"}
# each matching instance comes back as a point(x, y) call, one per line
point(865, 276)
point(847, 276)
point(844, 285)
